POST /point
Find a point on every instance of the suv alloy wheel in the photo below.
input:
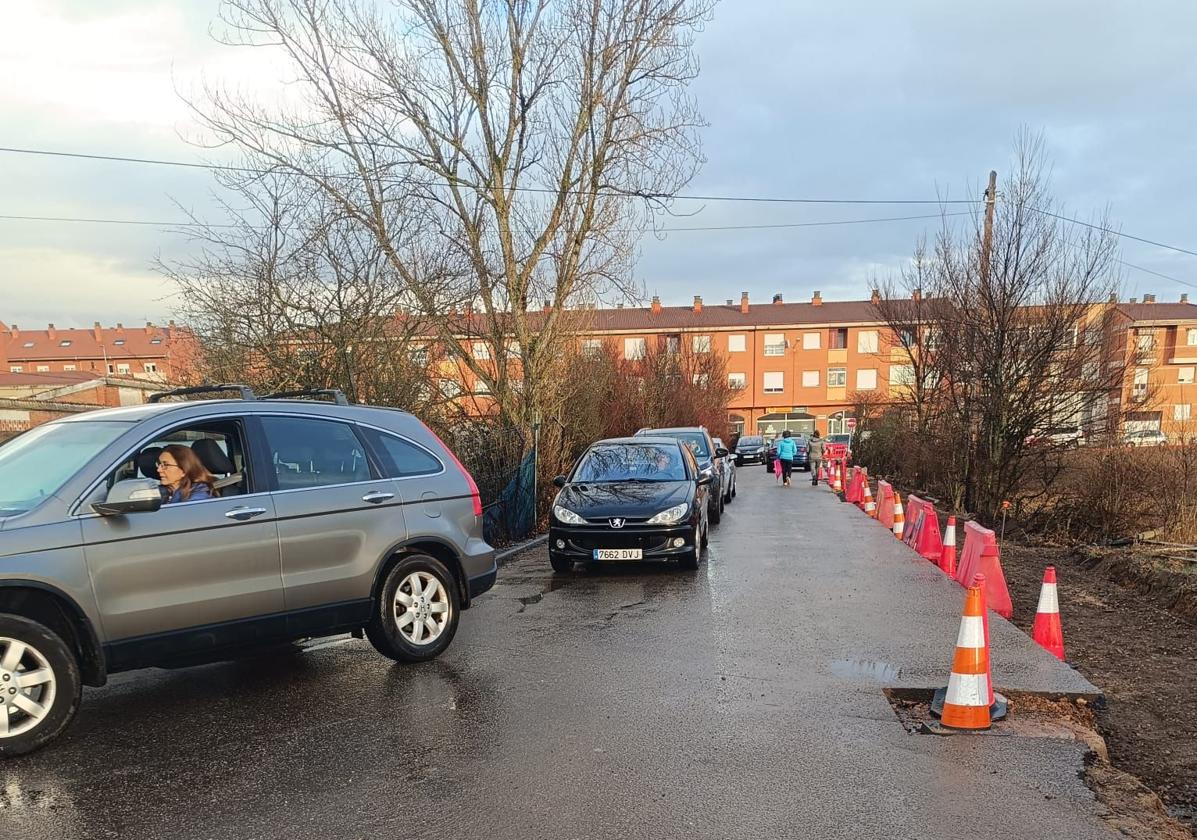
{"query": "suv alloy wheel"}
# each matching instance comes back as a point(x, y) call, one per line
point(40, 686)
point(417, 610)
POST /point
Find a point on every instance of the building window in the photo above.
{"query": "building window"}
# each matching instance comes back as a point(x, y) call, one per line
point(122, 368)
point(111, 368)
point(1191, 338)
point(775, 344)
point(810, 379)
point(901, 374)
point(450, 388)
point(701, 379)
point(155, 341)
point(866, 341)
point(866, 379)
point(701, 344)
point(513, 349)
point(16, 369)
point(27, 344)
point(481, 350)
point(418, 353)
point(66, 342)
point(1139, 389)
point(633, 348)
point(837, 377)
point(43, 368)
point(68, 367)
point(671, 344)
point(775, 382)
point(737, 381)
point(1090, 370)
point(1185, 376)
point(592, 347)
point(1181, 412)
point(120, 342)
point(480, 387)
point(150, 367)
point(1145, 341)
point(810, 341)
point(736, 344)
point(838, 336)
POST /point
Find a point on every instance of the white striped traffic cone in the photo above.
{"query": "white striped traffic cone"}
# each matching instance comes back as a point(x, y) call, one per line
point(899, 516)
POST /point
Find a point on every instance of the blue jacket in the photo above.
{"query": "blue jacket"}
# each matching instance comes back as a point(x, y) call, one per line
point(787, 448)
point(198, 492)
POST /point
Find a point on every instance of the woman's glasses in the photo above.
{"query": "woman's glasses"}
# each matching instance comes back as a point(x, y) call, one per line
point(163, 464)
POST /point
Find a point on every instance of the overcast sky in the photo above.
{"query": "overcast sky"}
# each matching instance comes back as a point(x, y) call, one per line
point(873, 100)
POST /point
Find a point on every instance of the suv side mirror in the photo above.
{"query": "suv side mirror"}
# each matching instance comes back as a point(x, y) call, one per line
point(705, 477)
point(133, 495)
point(721, 452)
point(559, 481)
point(133, 506)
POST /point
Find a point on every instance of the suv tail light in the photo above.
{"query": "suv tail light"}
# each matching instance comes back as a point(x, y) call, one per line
point(475, 496)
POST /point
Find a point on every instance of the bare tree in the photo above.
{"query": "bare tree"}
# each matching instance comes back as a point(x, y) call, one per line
point(1021, 340)
point(501, 154)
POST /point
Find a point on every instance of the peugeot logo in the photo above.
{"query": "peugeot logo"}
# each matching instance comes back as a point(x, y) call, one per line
point(617, 522)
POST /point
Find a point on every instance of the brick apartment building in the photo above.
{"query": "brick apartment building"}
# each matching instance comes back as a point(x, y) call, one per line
point(153, 352)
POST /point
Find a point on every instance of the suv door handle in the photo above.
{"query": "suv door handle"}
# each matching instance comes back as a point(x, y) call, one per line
point(241, 514)
point(377, 497)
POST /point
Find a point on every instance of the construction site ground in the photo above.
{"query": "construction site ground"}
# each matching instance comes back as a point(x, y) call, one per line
point(1129, 623)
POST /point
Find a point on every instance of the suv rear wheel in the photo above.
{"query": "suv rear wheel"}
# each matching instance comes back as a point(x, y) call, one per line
point(40, 687)
point(416, 614)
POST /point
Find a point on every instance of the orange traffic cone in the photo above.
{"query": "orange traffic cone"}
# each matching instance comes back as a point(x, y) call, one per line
point(947, 558)
point(899, 516)
point(966, 699)
point(822, 473)
point(1047, 630)
point(870, 507)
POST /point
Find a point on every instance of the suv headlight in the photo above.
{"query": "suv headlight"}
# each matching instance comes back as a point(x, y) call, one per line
point(567, 516)
point(672, 516)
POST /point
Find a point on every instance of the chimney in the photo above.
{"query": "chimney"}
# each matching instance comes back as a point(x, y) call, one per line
point(619, 306)
point(1184, 298)
point(97, 331)
point(14, 331)
point(697, 303)
point(816, 299)
point(1113, 297)
point(730, 301)
point(149, 325)
point(548, 306)
point(777, 301)
point(744, 302)
point(1149, 298)
point(656, 304)
point(170, 324)
point(1133, 300)
point(917, 294)
point(53, 332)
point(875, 298)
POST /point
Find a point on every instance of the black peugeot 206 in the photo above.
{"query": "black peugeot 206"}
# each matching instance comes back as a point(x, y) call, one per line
point(628, 499)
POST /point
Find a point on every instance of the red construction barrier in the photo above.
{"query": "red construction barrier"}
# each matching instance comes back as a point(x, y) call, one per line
point(885, 504)
point(922, 529)
point(981, 556)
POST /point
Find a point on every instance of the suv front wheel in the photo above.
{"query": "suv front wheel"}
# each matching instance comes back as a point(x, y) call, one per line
point(416, 614)
point(40, 687)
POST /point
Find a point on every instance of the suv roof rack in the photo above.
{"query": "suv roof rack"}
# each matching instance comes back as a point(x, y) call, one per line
point(336, 394)
point(244, 391)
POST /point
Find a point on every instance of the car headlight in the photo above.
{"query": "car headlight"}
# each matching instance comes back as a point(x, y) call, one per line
point(567, 516)
point(672, 516)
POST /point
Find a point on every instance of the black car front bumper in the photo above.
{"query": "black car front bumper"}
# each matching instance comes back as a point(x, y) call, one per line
point(577, 543)
point(750, 457)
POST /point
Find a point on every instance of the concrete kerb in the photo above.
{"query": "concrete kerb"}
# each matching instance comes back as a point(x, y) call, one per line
point(506, 554)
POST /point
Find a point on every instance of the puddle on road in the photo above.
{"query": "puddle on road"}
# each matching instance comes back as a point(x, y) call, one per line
point(879, 671)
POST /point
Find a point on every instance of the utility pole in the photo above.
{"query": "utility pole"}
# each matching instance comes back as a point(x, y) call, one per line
point(987, 238)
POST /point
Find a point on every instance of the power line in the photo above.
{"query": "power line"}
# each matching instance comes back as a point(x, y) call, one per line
point(1115, 232)
point(254, 171)
point(165, 224)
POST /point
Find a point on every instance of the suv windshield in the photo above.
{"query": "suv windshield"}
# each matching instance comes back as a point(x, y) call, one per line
point(750, 441)
point(631, 462)
point(36, 464)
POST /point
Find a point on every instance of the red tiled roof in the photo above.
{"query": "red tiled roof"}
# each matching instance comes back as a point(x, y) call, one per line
point(135, 342)
point(724, 316)
point(1159, 311)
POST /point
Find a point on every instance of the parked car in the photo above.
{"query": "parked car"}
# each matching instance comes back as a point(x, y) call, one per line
point(326, 518)
point(708, 456)
point(729, 473)
point(1062, 436)
point(631, 499)
point(1145, 437)
point(750, 449)
point(801, 458)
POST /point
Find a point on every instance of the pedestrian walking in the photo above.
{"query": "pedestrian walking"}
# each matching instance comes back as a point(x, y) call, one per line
point(787, 448)
point(815, 450)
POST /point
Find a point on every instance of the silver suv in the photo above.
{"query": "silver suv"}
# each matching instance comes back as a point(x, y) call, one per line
point(325, 518)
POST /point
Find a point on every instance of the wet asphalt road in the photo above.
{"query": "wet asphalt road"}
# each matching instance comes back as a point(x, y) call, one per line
point(743, 700)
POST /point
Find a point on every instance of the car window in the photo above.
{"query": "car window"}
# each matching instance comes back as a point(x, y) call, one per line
point(630, 462)
point(36, 464)
point(750, 441)
point(401, 458)
point(314, 453)
point(697, 442)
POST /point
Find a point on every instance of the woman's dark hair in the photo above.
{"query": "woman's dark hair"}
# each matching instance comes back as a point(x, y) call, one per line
point(194, 471)
point(785, 433)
